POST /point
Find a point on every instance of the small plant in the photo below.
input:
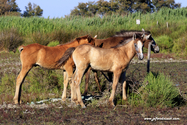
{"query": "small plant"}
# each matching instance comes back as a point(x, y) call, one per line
point(10, 40)
point(157, 90)
point(165, 43)
point(7, 85)
point(41, 38)
point(180, 46)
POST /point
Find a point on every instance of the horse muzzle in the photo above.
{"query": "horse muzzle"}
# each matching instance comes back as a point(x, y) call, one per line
point(140, 56)
point(156, 49)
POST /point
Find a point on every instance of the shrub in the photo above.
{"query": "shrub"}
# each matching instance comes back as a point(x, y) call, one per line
point(40, 38)
point(44, 81)
point(63, 36)
point(156, 91)
point(180, 46)
point(10, 40)
point(165, 43)
point(7, 88)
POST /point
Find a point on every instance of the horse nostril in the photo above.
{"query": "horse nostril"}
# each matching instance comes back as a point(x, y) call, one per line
point(140, 57)
point(156, 50)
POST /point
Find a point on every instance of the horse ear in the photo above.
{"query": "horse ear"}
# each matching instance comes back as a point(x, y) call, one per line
point(89, 38)
point(147, 37)
point(143, 35)
point(78, 39)
point(95, 36)
point(134, 36)
point(143, 30)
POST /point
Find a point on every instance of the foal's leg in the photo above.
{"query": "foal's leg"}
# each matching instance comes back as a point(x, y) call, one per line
point(19, 81)
point(114, 85)
point(110, 76)
point(87, 78)
point(77, 81)
point(97, 80)
point(65, 86)
point(67, 78)
point(73, 92)
point(123, 81)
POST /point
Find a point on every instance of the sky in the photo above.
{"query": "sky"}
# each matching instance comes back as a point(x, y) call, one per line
point(60, 8)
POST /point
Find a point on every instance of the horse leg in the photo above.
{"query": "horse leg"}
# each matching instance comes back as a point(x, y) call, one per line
point(87, 78)
point(97, 80)
point(73, 92)
point(77, 81)
point(110, 76)
point(65, 86)
point(19, 81)
point(123, 81)
point(114, 86)
point(67, 79)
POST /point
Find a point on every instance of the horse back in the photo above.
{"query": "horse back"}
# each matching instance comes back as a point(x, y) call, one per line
point(109, 42)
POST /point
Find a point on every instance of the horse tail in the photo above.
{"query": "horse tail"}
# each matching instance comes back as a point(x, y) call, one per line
point(66, 56)
point(20, 48)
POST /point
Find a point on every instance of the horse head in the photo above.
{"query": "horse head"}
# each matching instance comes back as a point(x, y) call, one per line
point(138, 44)
point(86, 40)
point(148, 38)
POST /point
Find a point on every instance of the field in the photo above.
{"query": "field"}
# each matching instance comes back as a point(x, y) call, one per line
point(157, 97)
point(65, 113)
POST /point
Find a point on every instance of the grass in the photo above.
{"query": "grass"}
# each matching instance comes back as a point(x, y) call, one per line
point(157, 90)
point(43, 31)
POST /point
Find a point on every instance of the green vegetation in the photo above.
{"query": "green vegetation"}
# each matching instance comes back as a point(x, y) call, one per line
point(157, 90)
point(15, 31)
point(43, 31)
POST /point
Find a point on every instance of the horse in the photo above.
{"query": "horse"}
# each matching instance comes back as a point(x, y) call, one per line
point(115, 60)
point(47, 57)
point(115, 40)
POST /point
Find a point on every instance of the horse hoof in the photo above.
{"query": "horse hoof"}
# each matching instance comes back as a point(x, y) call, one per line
point(83, 107)
point(63, 100)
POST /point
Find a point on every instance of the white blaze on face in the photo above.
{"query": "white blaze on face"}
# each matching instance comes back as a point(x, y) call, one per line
point(140, 45)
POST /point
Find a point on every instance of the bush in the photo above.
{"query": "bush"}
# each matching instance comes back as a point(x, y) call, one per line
point(7, 88)
point(10, 40)
point(165, 43)
point(63, 36)
point(156, 91)
point(43, 81)
point(180, 47)
point(41, 38)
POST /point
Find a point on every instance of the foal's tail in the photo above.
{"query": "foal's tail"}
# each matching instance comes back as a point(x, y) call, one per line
point(66, 56)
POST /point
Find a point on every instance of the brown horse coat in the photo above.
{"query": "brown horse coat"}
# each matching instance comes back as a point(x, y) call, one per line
point(113, 41)
point(47, 57)
point(114, 60)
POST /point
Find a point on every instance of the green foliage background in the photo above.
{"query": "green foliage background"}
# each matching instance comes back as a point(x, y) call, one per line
point(43, 31)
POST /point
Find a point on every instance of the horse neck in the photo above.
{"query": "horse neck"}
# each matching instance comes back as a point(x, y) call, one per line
point(70, 44)
point(129, 49)
point(98, 42)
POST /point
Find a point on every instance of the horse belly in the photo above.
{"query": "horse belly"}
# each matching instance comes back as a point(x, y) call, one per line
point(100, 62)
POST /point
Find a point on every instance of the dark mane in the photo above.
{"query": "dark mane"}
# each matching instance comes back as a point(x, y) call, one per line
point(125, 41)
point(130, 33)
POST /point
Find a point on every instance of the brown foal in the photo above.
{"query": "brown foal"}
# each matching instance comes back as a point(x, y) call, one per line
point(47, 57)
point(115, 60)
